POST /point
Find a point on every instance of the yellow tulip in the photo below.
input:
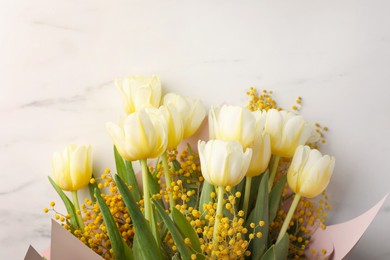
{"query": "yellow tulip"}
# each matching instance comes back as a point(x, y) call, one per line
point(73, 168)
point(174, 125)
point(287, 131)
point(138, 92)
point(192, 112)
point(261, 147)
point(223, 163)
point(142, 135)
point(230, 123)
point(309, 172)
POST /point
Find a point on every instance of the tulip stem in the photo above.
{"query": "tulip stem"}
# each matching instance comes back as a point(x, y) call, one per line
point(248, 184)
point(145, 185)
point(274, 169)
point(290, 213)
point(77, 207)
point(168, 179)
point(219, 215)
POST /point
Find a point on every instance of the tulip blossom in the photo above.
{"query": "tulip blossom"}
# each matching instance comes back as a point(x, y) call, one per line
point(287, 131)
point(308, 176)
point(138, 92)
point(261, 147)
point(174, 123)
point(232, 123)
point(309, 172)
point(142, 135)
point(223, 163)
point(192, 112)
point(73, 168)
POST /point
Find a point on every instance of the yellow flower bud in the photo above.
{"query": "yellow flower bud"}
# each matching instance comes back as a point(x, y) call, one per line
point(261, 146)
point(223, 163)
point(138, 92)
point(143, 135)
point(174, 125)
point(73, 168)
point(192, 112)
point(309, 172)
point(232, 123)
point(287, 131)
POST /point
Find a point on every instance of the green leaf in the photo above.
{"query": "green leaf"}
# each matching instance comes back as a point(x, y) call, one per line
point(120, 166)
point(132, 180)
point(67, 202)
point(260, 212)
point(278, 251)
point(125, 170)
point(91, 188)
point(275, 196)
point(117, 243)
point(186, 229)
point(176, 165)
point(177, 237)
point(205, 195)
point(141, 226)
point(254, 191)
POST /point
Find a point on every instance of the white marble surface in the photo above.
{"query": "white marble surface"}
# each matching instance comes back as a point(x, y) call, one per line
point(59, 59)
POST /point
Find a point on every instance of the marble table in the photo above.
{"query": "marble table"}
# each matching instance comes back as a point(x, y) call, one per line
point(59, 59)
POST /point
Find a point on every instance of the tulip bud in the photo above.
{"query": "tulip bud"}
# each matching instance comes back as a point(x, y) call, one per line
point(287, 131)
point(73, 168)
point(143, 135)
point(174, 124)
point(192, 112)
point(230, 123)
point(261, 147)
point(309, 172)
point(138, 92)
point(223, 163)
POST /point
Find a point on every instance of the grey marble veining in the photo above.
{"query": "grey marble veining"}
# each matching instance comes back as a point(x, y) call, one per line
point(59, 60)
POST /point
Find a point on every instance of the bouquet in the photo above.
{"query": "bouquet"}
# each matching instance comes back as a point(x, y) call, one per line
point(254, 190)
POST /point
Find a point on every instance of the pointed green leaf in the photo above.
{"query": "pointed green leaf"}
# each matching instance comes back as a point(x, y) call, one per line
point(120, 166)
point(278, 251)
point(260, 213)
point(67, 202)
point(186, 229)
point(205, 195)
point(91, 188)
point(281, 248)
point(141, 226)
point(176, 165)
point(132, 180)
point(117, 243)
point(177, 237)
point(254, 191)
point(275, 196)
point(125, 170)
point(270, 254)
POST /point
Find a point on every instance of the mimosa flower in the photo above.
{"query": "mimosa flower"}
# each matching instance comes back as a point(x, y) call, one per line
point(223, 163)
point(143, 135)
point(287, 131)
point(73, 168)
point(138, 92)
point(230, 123)
point(309, 172)
point(192, 112)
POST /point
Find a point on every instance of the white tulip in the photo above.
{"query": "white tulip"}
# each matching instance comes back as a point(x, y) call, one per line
point(143, 135)
point(223, 163)
point(138, 92)
point(192, 112)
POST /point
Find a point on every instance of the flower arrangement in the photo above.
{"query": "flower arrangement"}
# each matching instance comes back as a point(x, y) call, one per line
point(247, 192)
